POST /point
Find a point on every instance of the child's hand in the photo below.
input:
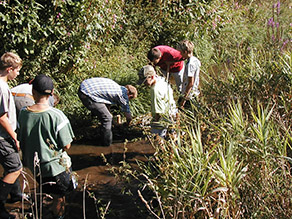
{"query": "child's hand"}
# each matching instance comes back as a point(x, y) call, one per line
point(17, 145)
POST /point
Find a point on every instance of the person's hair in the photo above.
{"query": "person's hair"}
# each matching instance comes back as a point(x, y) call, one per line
point(185, 45)
point(10, 59)
point(132, 90)
point(154, 53)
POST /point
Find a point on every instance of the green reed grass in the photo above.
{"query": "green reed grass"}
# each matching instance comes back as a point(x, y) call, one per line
point(238, 170)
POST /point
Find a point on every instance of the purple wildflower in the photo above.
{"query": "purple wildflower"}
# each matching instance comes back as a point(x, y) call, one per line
point(58, 15)
point(278, 7)
point(284, 44)
point(271, 22)
point(277, 24)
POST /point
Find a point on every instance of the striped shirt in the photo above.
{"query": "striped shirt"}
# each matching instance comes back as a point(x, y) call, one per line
point(107, 91)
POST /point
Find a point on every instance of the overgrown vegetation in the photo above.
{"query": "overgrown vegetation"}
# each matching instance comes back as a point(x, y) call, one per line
point(231, 158)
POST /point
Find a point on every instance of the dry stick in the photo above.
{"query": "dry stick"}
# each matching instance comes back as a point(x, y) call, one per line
point(84, 188)
point(95, 203)
point(125, 151)
point(146, 203)
point(106, 209)
point(22, 199)
point(158, 199)
point(25, 182)
point(37, 163)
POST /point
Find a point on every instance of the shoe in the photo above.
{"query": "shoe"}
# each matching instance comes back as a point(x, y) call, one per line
point(15, 192)
point(5, 189)
point(4, 213)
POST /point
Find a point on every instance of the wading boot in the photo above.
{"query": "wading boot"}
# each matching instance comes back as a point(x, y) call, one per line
point(107, 137)
point(15, 193)
point(5, 189)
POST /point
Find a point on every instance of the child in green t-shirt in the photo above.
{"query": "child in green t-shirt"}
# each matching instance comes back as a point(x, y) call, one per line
point(45, 134)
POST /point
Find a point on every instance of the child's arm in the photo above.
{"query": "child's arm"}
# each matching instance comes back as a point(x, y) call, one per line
point(191, 81)
point(6, 126)
point(67, 147)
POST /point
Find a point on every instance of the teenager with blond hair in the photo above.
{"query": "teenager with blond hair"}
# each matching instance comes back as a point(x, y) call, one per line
point(10, 65)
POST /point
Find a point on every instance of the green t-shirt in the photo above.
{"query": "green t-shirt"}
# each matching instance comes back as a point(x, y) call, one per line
point(45, 133)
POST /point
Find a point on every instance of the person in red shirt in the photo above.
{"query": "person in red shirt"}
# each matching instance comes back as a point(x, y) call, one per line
point(170, 61)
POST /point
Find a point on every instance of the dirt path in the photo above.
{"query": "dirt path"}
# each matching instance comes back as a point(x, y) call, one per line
point(91, 168)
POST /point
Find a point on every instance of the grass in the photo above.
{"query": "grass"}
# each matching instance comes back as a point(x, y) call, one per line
point(241, 164)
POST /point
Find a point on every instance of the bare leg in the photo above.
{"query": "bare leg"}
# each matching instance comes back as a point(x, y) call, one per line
point(11, 177)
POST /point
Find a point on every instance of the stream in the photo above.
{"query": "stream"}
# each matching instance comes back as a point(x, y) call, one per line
point(103, 190)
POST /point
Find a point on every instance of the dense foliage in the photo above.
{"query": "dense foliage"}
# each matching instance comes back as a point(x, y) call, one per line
point(230, 159)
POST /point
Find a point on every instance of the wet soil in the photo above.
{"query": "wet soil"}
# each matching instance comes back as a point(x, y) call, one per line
point(98, 187)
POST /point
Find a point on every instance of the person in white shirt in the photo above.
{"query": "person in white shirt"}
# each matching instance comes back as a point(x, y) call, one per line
point(190, 82)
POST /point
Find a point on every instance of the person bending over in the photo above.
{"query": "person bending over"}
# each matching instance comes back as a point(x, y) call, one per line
point(97, 94)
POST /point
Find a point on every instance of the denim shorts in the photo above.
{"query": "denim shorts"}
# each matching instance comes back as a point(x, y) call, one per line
point(9, 157)
point(61, 184)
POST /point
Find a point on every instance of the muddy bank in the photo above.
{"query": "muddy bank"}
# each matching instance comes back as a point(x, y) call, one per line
point(90, 162)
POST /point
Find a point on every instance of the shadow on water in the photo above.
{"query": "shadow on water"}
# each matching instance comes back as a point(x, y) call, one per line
point(102, 187)
point(83, 161)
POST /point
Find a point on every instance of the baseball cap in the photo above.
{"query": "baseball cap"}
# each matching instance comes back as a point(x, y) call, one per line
point(145, 71)
point(43, 84)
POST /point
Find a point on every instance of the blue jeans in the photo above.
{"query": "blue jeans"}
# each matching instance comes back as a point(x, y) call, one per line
point(101, 111)
point(59, 185)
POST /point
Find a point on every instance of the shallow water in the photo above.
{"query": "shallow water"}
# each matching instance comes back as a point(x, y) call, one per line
point(93, 173)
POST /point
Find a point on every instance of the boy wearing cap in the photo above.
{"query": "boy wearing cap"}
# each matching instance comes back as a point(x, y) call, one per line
point(163, 108)
point(10, 65)
point(45, 134)
point(22, 94)
point(97, 94)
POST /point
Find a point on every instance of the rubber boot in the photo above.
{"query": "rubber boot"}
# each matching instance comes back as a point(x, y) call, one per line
point(107, 137)
point(5, 189)
point(15, 193)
